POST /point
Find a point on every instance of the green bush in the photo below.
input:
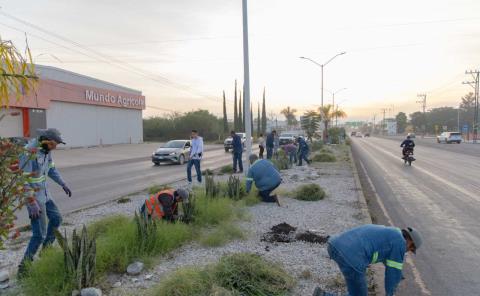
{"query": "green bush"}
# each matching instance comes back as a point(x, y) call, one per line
point(309, 192)
point(222, 234)
point(227, 169)
point(324, 157)
point(237, 274)
point(316, 145)
point(282, 162)
point(213, 211)
point(348, 141)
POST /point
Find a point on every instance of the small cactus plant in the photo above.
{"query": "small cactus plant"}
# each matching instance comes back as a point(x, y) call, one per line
point(189, 210)
point(212, 189)
point(146, 231)
point(235, 190)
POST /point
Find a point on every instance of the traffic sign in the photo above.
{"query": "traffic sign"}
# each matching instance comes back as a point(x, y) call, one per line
point(465, 128)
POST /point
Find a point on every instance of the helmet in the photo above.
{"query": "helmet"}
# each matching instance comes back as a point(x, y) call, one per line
point(184, 194)
point(415, 236)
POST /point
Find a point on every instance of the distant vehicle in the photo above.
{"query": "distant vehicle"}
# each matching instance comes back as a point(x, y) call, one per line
point(175, 151)
point(286, 140)
point(367, 135)
point(353, 134)
point(227, 144)
point(411, 135)
point(450, 137)
point(358, 134)
point(408, 159)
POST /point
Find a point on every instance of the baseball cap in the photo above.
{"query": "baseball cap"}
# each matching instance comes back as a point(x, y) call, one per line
point(184, 194)
point(51, 134)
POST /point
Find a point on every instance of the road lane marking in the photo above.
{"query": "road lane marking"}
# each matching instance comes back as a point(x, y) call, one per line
point(416, 273)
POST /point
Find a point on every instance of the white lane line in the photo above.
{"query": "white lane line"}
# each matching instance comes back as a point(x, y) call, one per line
point(416, 274)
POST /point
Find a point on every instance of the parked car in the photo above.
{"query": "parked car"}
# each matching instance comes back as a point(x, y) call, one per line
point(353, 134)
point(227, 144)
point(175, 151)
point(286, 140)
point(450, 137)
point(358, 134)
point(411, 135)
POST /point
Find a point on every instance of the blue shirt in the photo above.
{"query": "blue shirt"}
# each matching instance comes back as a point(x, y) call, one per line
point(264, 174)
point(270, 141)
point(237, 144)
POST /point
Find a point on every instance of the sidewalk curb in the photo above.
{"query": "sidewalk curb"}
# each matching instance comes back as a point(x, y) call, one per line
point(367, 219)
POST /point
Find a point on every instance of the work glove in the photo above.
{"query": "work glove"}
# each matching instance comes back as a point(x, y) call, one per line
point(33, 209)
point(67, 190)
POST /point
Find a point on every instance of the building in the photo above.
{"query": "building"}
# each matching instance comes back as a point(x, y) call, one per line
point(87, 111)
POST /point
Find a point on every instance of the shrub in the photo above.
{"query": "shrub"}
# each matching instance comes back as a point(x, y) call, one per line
point(315, 146)
point(184, 282)
point(213, 211)
point(227, 169)
point(222, 234)
point(309, 192)
point(282, 162)
point(208, 172)
point(235, 189)
point(324, 157)
point(212, 189)
point(348, 141)
point(146, 232)
point(189, 210)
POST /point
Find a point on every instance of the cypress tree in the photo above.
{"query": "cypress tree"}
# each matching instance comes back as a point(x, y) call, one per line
point(235, 112)
point(259, 124)
point(225, 120)
point(264, 114)
point(251, 119)
point(241, 127)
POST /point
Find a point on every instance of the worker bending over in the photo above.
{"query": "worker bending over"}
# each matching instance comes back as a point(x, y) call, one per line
point(164, 204)
point(355, 249)
point(265, 176)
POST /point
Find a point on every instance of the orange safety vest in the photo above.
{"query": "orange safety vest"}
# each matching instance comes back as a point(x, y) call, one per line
point(154, 207)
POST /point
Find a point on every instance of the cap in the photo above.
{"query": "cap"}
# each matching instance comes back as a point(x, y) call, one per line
point(416, 237)
point(52, 134)
point(184, 194)
point(252, 158)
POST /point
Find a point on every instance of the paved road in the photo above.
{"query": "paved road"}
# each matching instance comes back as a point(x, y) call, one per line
point(440, 196)
point(97, 183)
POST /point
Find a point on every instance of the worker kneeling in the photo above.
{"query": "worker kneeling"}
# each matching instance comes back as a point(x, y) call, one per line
point(265, 176)
point(164, 204)
point(355, 249)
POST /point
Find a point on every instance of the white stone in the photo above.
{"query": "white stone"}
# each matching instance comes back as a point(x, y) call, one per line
point(91, 292)
point(4, 276)
point(135, 268)
point(4, 286)
point(117, 285)
point(148, 277)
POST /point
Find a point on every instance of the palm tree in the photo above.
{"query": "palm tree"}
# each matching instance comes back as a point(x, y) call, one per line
point(289, 114)
point(328, 114)
point(310, 122)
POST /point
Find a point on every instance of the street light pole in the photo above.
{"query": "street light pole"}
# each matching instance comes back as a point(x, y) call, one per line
point(246, 83)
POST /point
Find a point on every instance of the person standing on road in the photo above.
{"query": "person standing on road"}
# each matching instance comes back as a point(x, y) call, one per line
point(291, 152)
point(357, 248)
point(237, 152)
point(303, 151)
point(276, 145)
point(265, 176)
point(196, 154)
point(37, 162)
point(270, 144)
point(261, 146)
point(164, 204)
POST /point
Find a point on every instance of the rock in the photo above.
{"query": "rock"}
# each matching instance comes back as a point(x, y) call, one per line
point(75, 293)
point(117, 285)
point(135, 268)
point(134, 280)
point(148, 277)
point(4, 276)
point(4, 285)
point(91, 292)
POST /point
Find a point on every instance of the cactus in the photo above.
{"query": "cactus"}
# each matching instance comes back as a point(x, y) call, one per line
point(79, 259)
point(235, 190)
point(146, 231)
point(212, 189)
point(188, 210)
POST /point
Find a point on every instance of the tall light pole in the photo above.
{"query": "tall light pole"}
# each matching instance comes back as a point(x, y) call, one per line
point(246, 83)
point(323, 65)
point(334, 93)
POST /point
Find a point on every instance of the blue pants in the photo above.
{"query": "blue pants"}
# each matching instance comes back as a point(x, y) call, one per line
point(293, 157)
point(356, 281)
point(265, 194)
point(237, 158)
point(196, 163)
point(42, 233)
point(303, 156)
point(269, 152)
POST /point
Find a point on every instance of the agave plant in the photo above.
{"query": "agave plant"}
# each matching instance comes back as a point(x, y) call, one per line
point(212, 189)
point(189, 210)
point(146, 231)
point(79, 258)
point(235, 190)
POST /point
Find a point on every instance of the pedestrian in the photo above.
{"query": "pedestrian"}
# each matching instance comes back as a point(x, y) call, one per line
point(291, 152)
point(37, 161)
point(196, 154)
point(164, 204)
point(270, 144)
point(265, 176)
point(357, 248)
point(237, 148)
point(261, 146)
point(303, 151)
point(276, 145)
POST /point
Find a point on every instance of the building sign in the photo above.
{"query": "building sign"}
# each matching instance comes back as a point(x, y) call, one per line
point(119, 100)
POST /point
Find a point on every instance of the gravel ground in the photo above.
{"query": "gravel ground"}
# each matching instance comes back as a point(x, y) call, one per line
point(309, 263)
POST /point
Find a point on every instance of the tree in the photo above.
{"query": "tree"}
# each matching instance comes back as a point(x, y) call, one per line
point(264, 114)
point(225, 120)
point(310, 123)
point(468, 109)
point(259, 124)
point(401, 122)
point(327, 114)
point(235, 112)
point(251, 119)
point(241, 121)
point(17, 78)
point(289, 114)
point(417, 121)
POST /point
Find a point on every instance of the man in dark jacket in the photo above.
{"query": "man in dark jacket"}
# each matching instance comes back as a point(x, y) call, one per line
point(265, 176)
point(357, 248)
point(237, 152)
point(270, 144)
point(164, 204)
point(303, 150)
point(407, 145)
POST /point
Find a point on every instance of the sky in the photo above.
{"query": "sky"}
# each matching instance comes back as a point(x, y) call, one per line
point(183, 54)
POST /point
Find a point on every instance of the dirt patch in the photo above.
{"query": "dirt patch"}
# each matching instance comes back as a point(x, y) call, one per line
point(312, 237)
point(283, 228)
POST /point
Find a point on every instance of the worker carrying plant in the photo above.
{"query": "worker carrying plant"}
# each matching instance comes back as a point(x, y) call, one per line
point(355, 249)
point(164, 204)
point(44, 215)
point(265, 176)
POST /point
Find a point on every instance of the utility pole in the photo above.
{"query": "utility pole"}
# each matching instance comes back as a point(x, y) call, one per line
point(475, 84)
point(384, 110)
point(423, 103)
point(246, 81)
point(373, 128)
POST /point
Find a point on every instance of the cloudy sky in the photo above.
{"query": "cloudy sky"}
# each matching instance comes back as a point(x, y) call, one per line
point(183, 53)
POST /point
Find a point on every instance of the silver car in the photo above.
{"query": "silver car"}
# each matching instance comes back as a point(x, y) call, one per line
point(175, 151)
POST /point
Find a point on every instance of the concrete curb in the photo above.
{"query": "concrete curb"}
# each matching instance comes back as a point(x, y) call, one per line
point(367, 219)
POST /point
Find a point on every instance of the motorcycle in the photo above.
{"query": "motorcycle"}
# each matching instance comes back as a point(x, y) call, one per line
point(408, 156)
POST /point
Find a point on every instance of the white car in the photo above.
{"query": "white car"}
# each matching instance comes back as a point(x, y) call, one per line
point(450, 137)
point(227, 144)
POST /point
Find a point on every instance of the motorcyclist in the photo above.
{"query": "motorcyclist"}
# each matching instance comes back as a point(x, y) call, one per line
point(407, 145)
